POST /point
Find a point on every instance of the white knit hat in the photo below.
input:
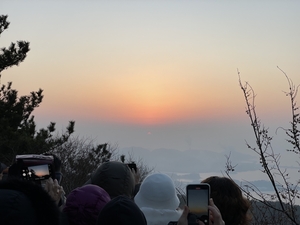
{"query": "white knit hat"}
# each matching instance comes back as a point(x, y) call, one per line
point(157, 191)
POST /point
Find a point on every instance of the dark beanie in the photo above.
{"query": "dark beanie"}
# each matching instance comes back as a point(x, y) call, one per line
point(122, 211)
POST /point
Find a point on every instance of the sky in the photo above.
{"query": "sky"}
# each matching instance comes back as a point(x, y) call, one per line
point(160, 78)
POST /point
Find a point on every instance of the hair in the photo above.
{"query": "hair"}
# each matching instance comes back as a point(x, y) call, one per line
point(227, 196)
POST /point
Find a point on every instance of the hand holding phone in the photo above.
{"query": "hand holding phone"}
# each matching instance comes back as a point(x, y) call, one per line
point(135, 171)
point(198, 201)
point(215, 213)
point(132, 166)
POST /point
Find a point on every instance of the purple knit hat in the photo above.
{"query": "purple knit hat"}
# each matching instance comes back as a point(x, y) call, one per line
point(84, 204)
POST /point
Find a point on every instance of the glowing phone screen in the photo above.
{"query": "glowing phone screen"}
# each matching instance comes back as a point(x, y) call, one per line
point(198, 197)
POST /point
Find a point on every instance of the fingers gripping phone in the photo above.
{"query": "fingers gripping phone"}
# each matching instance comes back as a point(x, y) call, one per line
point(132, 166)
point(197, 201)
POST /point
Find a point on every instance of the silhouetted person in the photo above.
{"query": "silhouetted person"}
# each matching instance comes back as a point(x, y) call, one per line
point(115, 178)
point(26, 203)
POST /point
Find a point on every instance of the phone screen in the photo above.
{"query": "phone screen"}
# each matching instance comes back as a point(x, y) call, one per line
point(36, 172)
point(39, 170)
point(197, 201)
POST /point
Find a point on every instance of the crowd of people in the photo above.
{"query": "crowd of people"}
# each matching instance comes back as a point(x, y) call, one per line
point(113, 195)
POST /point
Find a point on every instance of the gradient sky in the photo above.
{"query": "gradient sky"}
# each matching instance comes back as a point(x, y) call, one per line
point(156, 74)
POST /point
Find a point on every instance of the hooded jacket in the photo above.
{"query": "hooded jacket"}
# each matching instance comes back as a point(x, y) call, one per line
point(84, 204)
point(23, 202)
point(115, 178)
point(122, 211)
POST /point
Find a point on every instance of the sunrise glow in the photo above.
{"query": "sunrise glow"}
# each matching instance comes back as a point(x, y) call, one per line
point(154, 64)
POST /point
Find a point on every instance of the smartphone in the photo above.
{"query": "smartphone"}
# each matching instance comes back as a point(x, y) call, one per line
point(35, 167)
point(197, 200)
point(132, 166)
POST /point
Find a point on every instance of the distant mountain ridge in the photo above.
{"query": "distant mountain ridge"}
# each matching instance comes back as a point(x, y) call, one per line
point(192, 166)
